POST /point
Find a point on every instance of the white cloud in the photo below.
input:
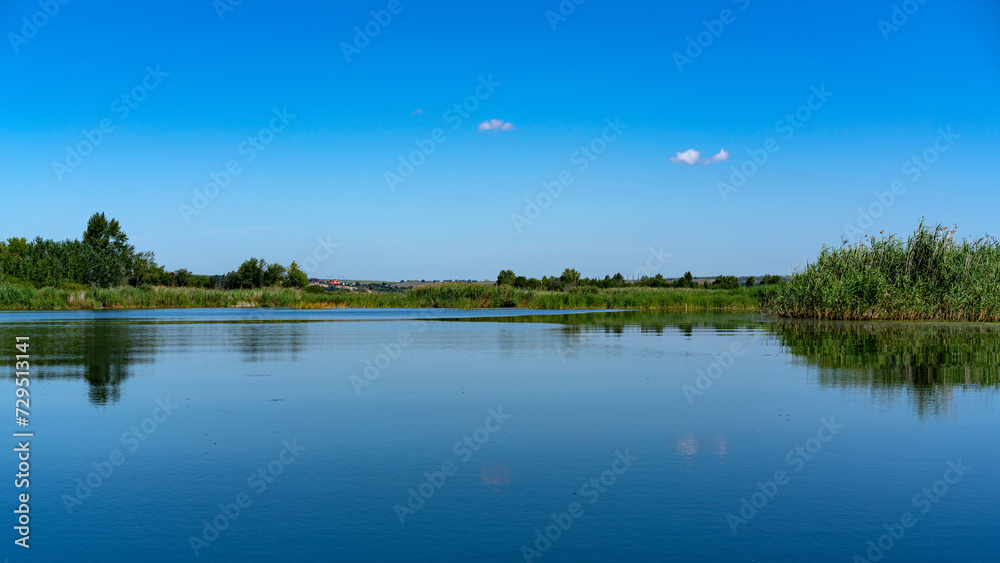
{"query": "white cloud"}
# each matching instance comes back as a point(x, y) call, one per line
point(721, 157)
point(689, 156)
point(692, 157)
point(496, 125)
point(418, 111)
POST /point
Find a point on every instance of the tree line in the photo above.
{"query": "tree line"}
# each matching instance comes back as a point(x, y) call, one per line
point(104, 258)
point(571, 278)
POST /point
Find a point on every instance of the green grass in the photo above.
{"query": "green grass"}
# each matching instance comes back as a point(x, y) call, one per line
point(930, 276)
point(450, 295)
point(465, 296)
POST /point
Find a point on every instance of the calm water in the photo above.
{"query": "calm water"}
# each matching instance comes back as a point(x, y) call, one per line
point(259, 435)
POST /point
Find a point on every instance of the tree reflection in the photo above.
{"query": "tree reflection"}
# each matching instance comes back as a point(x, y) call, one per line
point(104, 354)
point(927, 361)
point(107, 353)
point(924, 362)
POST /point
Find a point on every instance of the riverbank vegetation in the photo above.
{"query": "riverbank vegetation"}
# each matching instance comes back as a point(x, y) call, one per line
point(450, 295)
point(929, 276)
point(104, 259)
point(570, 278)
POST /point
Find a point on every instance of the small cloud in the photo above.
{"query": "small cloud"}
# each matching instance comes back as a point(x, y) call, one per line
point(689, 156)
point(496, 125)
point(692, 157)
point(418, 111)
point(722, 156)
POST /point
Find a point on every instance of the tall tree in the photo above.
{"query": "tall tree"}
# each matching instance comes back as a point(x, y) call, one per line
point(296, 277)
point(115, 262)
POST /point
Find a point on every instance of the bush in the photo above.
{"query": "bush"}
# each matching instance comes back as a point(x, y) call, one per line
point(726, 282)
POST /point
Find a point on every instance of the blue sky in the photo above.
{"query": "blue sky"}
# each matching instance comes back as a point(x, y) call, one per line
point(923, 84)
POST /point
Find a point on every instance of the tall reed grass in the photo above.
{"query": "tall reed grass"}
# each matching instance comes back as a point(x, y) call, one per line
point(929, 276)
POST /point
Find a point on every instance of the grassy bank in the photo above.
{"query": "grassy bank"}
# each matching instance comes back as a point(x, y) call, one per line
point(458, 296)
point(478, 296)
point(930, 276)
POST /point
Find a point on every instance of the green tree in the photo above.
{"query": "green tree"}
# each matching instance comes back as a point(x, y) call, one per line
point(143, 269)
point(274, 275)
point(725, 282)
point(506, 277)
point(115, 261)
point(296, 277)
point(686, 281)
point(570, 277)
point(182, 277)
point(102, 234)
point(12, 254)
point(251, 273)
point(158, 275)
point(750, 281)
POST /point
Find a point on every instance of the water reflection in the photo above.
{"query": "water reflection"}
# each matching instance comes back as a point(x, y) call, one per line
point(624, 322)
point(495, 475)
point(103, 354)
point(928, 361)
point(107, 353)
point(266, 341)
point(923, 363)
point(688, 447)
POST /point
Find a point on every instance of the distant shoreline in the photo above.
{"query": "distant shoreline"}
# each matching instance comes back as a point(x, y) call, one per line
point(453, 296)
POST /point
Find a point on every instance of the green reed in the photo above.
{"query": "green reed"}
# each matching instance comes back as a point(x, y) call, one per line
point(929, 276)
